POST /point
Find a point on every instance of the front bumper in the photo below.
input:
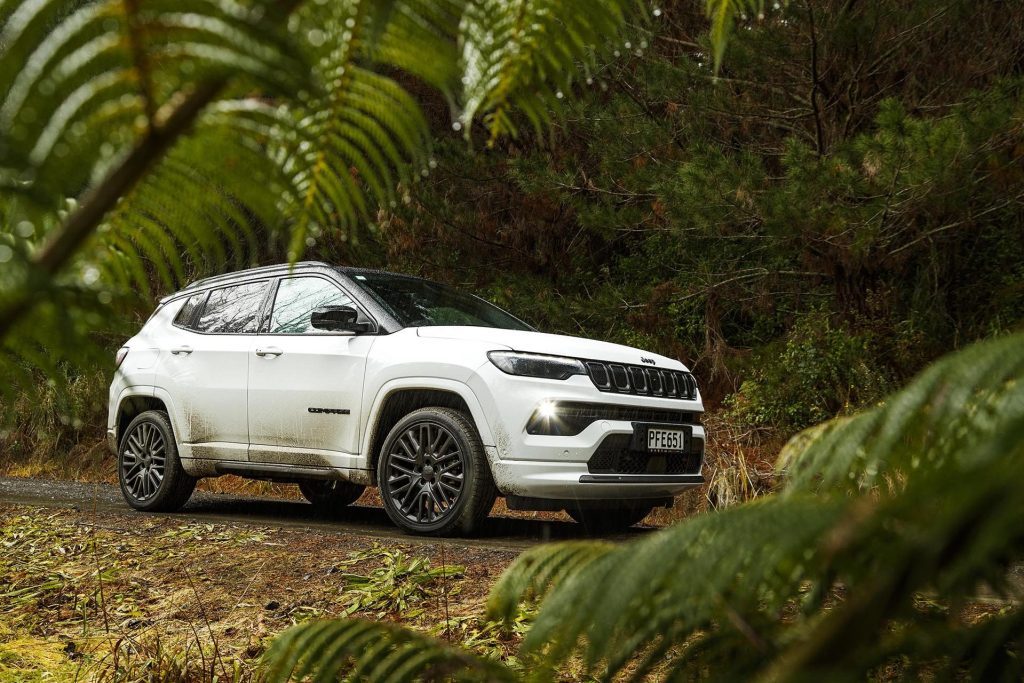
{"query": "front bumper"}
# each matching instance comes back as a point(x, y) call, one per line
point(544, 466)
point(570, 481)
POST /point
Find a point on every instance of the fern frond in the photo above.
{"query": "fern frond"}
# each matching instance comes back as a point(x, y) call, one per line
point(68, 70)
point(348, 149)
point(937, 419)
point(948, 531)
point(537, 570)
point(525, 55)
point(415, 29)
point(361, 650)
point(674, 581)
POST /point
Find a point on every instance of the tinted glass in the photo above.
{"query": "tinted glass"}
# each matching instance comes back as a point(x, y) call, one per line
point(188, 310)
point(233, 310)
point(296, 299)
point(420, 303)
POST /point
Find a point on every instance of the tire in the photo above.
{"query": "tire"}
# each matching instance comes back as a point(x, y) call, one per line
point(453, 499)
point(330, 496)
point(148, 467)
point(603, 520)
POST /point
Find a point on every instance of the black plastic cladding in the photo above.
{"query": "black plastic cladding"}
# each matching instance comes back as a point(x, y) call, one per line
point(641, 380)
point(614, 456)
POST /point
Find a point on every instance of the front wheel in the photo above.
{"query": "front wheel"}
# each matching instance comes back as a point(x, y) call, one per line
point(433, 474)
point(602, 520)
point(148, 467)
point(331, 496)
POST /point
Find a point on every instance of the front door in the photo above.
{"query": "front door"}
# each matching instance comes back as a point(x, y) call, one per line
point(305, 385)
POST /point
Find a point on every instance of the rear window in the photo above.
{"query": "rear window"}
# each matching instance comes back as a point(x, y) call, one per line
point(232, 310)
point(187, 315)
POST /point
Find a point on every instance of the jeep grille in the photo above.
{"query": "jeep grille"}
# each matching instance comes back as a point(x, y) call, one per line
point(639, 380)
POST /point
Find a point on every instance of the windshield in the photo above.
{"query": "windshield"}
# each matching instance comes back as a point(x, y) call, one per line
point(419, 303)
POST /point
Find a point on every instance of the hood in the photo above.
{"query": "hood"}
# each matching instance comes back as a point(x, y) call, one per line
point(552, 344)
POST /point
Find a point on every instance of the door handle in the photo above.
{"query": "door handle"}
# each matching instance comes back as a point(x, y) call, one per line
point(269, 351)
point(186, 349)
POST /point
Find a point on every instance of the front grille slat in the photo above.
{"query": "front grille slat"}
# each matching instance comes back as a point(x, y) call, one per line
point(599, 376)
point(654, 380)
point(614, 456)
point(620, 378)
point(641, 380)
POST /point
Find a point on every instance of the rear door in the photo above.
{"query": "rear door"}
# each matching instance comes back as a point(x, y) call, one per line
point(305, 385)
point(204, 368)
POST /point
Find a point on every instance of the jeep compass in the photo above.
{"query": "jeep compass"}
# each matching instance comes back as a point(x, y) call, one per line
point(336, 379)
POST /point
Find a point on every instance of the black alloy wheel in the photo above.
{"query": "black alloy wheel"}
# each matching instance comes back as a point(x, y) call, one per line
point(433, 474)
point(148, 468)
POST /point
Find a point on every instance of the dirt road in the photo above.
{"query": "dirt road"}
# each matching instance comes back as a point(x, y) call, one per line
point(499, 532)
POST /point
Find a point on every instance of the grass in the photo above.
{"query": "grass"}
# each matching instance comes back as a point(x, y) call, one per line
point(122, 597)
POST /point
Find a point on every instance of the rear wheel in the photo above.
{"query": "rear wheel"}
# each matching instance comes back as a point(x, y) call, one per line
point(602, 520)
point(331, 496)
point(148, 467)
point(433, 474)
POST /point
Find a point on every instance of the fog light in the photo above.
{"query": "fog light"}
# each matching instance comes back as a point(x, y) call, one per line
point(546, 419)
point(547, 410)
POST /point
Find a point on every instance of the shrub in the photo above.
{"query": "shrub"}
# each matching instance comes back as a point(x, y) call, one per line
point(818, 371)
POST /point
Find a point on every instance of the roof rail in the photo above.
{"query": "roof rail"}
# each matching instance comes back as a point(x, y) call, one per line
point(252, 271)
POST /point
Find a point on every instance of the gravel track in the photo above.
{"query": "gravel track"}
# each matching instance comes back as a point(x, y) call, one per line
point(503, 533)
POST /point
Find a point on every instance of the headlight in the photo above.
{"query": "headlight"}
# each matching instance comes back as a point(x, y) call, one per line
point(536, 365)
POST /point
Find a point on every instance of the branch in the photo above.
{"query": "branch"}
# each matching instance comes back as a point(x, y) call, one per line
point(758, 273)
point(815, 83)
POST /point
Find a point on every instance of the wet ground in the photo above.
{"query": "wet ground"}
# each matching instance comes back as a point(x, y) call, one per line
point(498, 532)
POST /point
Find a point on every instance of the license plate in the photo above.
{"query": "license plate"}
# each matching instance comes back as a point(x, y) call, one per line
point(664, 440)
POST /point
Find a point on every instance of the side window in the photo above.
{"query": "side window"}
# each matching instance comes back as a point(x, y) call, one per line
point(296, 299)
point(188, 311)
point(232, 310)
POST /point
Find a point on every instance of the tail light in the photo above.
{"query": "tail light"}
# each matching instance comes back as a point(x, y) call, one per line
point(122, 353)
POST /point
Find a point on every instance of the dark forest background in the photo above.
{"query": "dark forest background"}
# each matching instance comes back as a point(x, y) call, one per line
point(840, 205)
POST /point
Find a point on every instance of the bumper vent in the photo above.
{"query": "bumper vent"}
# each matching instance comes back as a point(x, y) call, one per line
point(614, 456)
point(642, 380)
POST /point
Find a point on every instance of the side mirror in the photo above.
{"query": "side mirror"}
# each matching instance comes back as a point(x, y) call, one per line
point(337, 319)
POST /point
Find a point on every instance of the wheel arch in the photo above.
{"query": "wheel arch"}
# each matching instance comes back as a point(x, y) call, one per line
point(399, 398)
point(132, 405)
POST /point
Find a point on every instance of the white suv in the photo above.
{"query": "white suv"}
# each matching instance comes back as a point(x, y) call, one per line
point(341, 378)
